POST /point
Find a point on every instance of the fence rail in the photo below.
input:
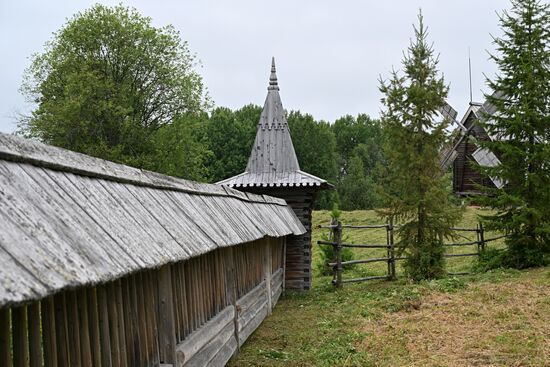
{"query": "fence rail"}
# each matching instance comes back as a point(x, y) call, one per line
point(336, 228)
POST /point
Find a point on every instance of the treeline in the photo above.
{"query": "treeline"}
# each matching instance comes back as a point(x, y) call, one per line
point(111, 85)
point(211, 147)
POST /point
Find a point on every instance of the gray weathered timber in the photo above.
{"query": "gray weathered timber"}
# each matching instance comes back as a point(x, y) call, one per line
point(273, 169)
point(273, 161)
point(201, 337)
point(69, 220)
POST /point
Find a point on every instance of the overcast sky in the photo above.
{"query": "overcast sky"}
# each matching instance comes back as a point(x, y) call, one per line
point(329, 54)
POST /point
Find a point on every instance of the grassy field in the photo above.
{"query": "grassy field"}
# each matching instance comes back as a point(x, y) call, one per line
point(499, 318)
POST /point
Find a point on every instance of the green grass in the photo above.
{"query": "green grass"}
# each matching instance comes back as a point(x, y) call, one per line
point(495, 318)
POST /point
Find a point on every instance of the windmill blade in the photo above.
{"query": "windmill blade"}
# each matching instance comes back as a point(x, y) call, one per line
point(486, 158)
point(448, 112)
point(448, 154)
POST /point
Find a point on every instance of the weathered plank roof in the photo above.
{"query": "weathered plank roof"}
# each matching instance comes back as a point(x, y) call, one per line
point(67, 219)
point(273, 161)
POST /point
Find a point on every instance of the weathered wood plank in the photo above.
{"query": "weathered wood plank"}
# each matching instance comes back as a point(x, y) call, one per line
point(202, 336)
point(211, 348)
point(5, 347)
point(104, 335)
point(62, 337)
point(93, 313)
point(167, 332)
point(252, 325)
point(73, 328)
point(35, 335)
point(20, 340)
point(83, 321)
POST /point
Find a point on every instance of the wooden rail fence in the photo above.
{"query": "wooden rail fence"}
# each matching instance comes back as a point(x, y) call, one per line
point(336, 228)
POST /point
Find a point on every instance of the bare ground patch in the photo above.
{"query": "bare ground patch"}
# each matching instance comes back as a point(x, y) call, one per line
point(501, 324)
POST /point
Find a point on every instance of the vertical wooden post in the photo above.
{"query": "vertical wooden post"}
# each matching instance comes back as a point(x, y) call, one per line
point(5, 327)
point(267, 272)
point(35, 334)
point(73, 328)
point(110, 292)
point(338, 253)
point(167, 327)
point(284, 263)
point(388, 252)
point(482, 236)
point(48, 330)
point(231, 287)
point(392, 249)
point(83, 321)
point(103, 319)
point(93, 314)
point(20, 341)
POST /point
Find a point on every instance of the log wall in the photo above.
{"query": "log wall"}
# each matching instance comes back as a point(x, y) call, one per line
point(192, 313)
point(298, 273)
point(466, 175)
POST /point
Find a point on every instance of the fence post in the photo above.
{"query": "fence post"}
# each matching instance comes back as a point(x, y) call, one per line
point(482, 236)
point(392, 250)
point(337, 238)
point(388, 247)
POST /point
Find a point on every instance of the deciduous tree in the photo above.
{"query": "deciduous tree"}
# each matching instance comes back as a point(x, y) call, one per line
point(107, 80)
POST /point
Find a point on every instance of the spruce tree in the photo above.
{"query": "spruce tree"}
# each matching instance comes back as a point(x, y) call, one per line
point(519, 125)
point(416, 194)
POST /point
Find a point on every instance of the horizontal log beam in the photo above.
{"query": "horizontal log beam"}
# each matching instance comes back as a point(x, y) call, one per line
point(357, 280)
point(366, 261)
point(195, 341)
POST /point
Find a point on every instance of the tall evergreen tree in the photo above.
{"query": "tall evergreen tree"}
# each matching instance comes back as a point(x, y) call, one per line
point(521, 127)
point(415, 194)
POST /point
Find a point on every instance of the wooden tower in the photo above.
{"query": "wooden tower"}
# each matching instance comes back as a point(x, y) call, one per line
point(273, 169)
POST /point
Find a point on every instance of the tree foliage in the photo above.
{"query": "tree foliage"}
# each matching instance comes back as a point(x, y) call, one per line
point(107, 81)
point(359, 147)
point(230, 135)
point(315, 146)
point(415, 193)
point(180, 150)
point(521, 125)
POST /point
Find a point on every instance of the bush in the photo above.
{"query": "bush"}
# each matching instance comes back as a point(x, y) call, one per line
point(490, 259)
point(509, 258)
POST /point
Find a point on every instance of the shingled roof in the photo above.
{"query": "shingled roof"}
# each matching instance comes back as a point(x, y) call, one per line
point(273, 161)
point(67, 219)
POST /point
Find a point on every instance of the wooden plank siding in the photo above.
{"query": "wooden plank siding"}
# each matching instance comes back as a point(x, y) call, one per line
point(130, 321)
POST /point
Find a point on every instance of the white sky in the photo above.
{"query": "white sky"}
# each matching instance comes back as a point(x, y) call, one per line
point(329, 54)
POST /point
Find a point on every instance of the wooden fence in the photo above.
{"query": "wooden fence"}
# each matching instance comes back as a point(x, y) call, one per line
point(192, 313)
point(336, 236)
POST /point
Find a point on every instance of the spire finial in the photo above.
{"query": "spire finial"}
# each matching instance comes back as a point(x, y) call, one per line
point(273, 78)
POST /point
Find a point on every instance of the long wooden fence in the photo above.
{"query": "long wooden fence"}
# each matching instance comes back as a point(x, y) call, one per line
point(391, 258)
point(191, 313)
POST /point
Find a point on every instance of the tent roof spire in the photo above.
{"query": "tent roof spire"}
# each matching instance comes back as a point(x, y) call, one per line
point(273, 160)
point(273, 85)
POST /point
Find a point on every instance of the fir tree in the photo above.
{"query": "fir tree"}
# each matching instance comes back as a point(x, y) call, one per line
point(415, 193)
point(520, 127)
